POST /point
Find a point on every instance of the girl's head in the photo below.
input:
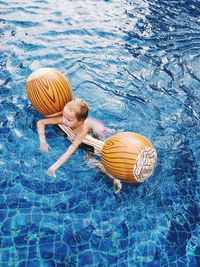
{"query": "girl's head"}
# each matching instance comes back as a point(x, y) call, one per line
point(75, 112)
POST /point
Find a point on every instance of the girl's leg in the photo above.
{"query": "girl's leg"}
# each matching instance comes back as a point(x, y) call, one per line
point(116, 182)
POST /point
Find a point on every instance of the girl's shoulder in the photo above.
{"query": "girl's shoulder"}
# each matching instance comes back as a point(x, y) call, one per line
point(89, 124)
point(97, 128)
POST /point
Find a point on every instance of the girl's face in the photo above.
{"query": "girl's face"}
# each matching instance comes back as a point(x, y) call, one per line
point(70, 119)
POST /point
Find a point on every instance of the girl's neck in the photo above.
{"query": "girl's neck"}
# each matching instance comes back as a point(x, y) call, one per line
point(80, 124)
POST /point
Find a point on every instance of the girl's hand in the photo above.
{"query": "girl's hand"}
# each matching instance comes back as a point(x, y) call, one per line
point(51, 172)
point(44, 147)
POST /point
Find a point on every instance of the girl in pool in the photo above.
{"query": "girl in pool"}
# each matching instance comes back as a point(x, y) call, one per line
point(75, 116)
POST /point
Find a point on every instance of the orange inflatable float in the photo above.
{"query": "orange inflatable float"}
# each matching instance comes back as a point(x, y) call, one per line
point(48, 90)
point(130, 157)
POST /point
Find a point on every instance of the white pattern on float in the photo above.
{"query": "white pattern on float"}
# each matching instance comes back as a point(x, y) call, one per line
point(145, 164)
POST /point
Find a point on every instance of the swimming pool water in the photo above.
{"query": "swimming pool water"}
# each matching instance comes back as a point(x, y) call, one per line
point(137, 65)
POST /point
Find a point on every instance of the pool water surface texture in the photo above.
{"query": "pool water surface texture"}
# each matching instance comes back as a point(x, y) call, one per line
point(137, 65)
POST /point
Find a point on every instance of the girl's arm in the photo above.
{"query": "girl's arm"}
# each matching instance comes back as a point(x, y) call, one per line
point(41, 130)
point(70, 151)
point(52, 170)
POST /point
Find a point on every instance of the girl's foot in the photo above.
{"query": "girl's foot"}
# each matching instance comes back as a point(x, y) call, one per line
point(117, 185)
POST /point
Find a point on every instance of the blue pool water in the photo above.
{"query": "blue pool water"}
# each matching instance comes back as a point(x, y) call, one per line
point(137, 64)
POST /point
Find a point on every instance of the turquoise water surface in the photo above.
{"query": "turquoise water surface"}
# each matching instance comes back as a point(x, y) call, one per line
point(137, 65)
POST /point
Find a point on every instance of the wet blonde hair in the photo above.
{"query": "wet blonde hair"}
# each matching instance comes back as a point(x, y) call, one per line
point(79, 107)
